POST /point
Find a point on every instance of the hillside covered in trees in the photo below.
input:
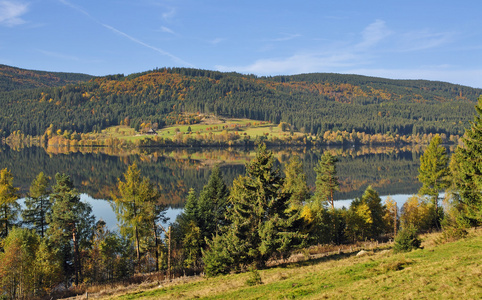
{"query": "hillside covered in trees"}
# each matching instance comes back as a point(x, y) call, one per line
point(12, 78)
point(313, 103)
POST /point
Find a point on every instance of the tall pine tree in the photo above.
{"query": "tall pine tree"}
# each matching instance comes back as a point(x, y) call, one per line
point(262, 225)
point(467, 169)
point(70, 224)
point(37, 204)
point(295, 182)
point(434, 173)
point(212, 205)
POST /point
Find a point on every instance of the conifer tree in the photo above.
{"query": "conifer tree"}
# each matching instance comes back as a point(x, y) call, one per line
point(37, 204)
point(137, 208)
point(70, 224)
point(467, 169)
point(9, 208)
point(212, 205)
point(326, 179)
point(262, 225)
point(295, 182)
point(433, 171)
point(191, 208)
point(203, 216)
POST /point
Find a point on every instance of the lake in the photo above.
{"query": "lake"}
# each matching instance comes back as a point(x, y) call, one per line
point(389, 170)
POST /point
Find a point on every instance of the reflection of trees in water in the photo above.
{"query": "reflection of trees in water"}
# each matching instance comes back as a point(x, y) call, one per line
point(388, 170)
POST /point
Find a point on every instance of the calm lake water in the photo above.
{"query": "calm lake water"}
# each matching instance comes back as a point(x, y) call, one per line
point(389, 170)
point(103, 210)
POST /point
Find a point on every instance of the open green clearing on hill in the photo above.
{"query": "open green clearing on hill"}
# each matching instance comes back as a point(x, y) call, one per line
point(243, 127)
point(447, 271)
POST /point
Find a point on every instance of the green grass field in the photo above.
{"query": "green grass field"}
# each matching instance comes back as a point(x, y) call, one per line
point(256, 128)
point(447, 271)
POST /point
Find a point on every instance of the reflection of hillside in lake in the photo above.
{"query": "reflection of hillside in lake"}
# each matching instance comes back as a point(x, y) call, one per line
point(389, 170)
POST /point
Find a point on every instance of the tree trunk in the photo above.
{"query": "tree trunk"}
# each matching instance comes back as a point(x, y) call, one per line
point(76, 255)
point(156, 245)
point(332, 202)
point(138, 252)
point(169, 256)
point(395, 221)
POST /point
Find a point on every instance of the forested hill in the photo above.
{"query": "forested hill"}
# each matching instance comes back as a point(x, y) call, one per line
point(12, 78)
point(311, 102)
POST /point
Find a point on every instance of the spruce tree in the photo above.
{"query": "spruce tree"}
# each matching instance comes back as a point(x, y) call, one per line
point(70, 224)
point(295, 182)
point(191, 208)
point(212, 205)
point(433, 173)
point(467, 169)
point(262, 225)
point(37, 204)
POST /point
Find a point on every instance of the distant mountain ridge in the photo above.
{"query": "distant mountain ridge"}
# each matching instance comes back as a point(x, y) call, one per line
point(12, 78)
point(313, 103)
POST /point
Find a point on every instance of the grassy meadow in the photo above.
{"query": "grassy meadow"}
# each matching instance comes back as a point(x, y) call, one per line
point(438, 271)
point(214, 125)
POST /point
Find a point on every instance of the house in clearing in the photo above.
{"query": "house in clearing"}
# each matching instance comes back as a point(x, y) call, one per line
point(151, 131)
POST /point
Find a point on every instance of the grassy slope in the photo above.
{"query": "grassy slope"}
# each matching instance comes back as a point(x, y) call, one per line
point(127, 133)
point(452, 270)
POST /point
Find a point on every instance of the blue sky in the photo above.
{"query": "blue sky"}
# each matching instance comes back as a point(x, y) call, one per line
point(404, 39)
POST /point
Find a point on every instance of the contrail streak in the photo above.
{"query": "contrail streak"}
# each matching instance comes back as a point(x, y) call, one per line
point(131, 38)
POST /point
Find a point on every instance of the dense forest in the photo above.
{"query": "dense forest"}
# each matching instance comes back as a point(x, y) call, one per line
point(312, 103)
point(12, 78)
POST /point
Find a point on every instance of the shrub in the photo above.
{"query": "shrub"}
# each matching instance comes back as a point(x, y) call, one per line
point(217, 260)
point(406, 240)
point(454, 224)
point(254, 278)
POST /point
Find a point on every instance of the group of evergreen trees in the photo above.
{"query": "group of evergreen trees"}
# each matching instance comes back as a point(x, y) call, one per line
point(56, 227)
point(265, 216)
point(268, 214)
point(57, 241)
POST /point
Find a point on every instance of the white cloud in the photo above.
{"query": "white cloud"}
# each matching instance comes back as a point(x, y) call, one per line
point(298, 63)
point(11, 12)
point(169, 14)
point(332, 58)
point(286, 37)
point(216, 41)
point(349, 57)
point(424, 39)
point(373, 34)
point(167, 30)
